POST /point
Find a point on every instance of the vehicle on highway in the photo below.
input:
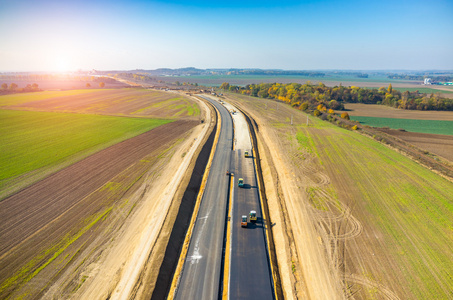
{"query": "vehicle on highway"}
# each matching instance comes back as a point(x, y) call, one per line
point(244, 221)
point(241, 182)
point(246, 154)
point(252, 216)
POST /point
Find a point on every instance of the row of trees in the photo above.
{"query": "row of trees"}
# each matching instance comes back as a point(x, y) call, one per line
point(305, 96)
point(434, 78)
point(14, 88)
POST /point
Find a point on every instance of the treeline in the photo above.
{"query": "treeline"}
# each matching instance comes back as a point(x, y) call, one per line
point(309, 96)
point(14, 88)
point(275, 72)
point(135, 76)
point(56, 77)
point(435, 78)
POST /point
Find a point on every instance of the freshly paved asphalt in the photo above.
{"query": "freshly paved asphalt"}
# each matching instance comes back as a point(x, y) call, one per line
point(249, 274)
point(200, 277)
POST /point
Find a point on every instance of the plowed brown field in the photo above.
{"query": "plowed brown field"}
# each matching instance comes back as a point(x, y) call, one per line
point(39, 217)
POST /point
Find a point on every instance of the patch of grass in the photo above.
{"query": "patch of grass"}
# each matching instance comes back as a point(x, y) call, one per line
point(423, 90)
point(316, 201)
point(35, 140)
point(422, 126)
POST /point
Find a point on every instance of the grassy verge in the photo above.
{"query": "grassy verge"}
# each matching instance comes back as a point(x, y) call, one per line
point(422, 126)
point(36, 140)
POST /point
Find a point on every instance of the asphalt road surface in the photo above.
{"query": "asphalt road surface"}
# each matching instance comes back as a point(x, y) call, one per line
point(200, 278)
point(250, 276)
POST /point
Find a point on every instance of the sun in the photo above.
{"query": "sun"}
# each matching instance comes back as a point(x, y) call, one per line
point(62, 64)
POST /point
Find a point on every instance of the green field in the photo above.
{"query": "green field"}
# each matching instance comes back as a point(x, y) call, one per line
point(423, 90)
point(422, 126)
point(411, 206)
point(40, 140)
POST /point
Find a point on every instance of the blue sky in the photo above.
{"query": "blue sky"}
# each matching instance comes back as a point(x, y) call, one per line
point(295, 35)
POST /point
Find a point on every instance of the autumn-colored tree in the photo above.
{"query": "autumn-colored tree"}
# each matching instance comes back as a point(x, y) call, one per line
point(354, 127)
point(321, 107)
point(304, 106)
point(333, 104)
point(225, 86)
point(331, 111)
point(13, 86)
point(4, 86)
point(88, 85)
point(390, 88)
point(101, 84)
point(316, 113)
point(345, 115)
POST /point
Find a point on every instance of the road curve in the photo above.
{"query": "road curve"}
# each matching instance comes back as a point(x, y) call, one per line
point(200, 277)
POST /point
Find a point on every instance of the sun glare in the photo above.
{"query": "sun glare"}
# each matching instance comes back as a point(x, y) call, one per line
point(62, 64)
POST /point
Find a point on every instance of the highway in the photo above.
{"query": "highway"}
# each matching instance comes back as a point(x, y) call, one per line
point(200, 278)
point(249, 276)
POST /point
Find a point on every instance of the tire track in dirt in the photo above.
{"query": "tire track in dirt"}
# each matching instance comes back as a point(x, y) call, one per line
point(382, 290)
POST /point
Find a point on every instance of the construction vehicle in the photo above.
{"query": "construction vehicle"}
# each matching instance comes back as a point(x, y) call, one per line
point(241, 182)
point(252, 216)
point(244, 221)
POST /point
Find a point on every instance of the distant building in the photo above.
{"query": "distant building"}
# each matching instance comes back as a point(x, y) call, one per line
point(427, 81)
